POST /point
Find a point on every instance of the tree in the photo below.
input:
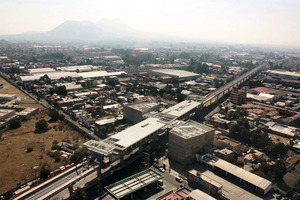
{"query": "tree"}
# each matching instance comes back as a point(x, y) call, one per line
point(44, 172)
point(279, 170)
point(41, 125)
point(79, 194)
point(53, 113)
point(61, 90)
point(278, 150)
point(79, 154)
point(15, 123)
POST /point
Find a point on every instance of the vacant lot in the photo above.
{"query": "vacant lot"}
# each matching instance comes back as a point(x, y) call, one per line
point(17, 166)
point(10, 89)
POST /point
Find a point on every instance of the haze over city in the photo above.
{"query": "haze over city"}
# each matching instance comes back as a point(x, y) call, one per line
point(272, 22)
point(148, 99)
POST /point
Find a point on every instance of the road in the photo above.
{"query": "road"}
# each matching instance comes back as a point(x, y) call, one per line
point(55, 182)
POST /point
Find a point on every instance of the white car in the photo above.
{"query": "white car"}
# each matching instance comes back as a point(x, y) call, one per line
point(161, 169)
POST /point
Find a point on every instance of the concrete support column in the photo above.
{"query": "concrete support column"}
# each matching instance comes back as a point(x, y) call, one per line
point(122, 159)
point(70, 188)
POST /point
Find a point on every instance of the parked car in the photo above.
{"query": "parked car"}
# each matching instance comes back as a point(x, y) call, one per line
point(160, 182)
point(178, 179)
point(161, 169)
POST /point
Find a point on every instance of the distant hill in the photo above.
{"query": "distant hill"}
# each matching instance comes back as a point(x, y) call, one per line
point(67, 31)
point(105, 29)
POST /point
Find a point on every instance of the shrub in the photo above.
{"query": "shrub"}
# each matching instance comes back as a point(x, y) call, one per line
point(41, 125)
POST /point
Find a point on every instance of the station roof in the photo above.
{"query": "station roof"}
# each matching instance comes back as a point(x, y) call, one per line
point(181, 108)
point(135, 133)
point(137, 181)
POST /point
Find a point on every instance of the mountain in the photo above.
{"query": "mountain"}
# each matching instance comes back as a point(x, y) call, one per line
point(72, 31)
point(118, 28)
point(75, 30)
point(65, 32)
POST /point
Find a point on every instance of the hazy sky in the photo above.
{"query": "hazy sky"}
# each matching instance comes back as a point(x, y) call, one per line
point(238, 21)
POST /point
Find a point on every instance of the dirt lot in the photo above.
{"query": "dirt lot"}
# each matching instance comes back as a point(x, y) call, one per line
point(17, 165)
point(10, 89)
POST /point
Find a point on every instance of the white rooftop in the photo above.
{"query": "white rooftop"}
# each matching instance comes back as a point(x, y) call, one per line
point(142, 105)
point(189, 129)
point(241, 173)
point(286, 130)
point(287, 73)
point(198, 194)
point(181, 108)
point(176, 72)
point(135, 133)
point(41, 70)
point(96, 74)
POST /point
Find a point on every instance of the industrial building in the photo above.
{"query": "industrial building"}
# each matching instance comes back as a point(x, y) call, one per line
point(175, 73)
point(41, 70)
point(260, 185)
point(284, 74)
point(7, 97)
point(283, 130)
point(134, 111)
point(188, 138)
point(100, 74)
point(200, 181)
point(238, 96)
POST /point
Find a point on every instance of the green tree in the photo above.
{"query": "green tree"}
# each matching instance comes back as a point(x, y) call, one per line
point(61, 90)
point(41, 125)
point(15, 123)
point(278, 150)
point(279, 170)
point(44, 172)
point(53, 113)
point(79, 154)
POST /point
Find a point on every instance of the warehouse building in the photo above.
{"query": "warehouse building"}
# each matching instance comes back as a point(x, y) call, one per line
point(188, 138)
point(200, 181)
point(175, 73)
point(260, 185)
point(134, 111)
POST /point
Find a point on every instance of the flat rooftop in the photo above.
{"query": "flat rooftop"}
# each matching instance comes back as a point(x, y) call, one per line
point(190, 129)
point(176, 73)
point(240, 173)
point(41, 70)
point(181, 108)
point(125, 138)
point(286, 73)
point(135, 133)
point(142, 105)
point(198, 194)
point(206, 178)
point(286, 130)
point(97, 74)
point(128, 185)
